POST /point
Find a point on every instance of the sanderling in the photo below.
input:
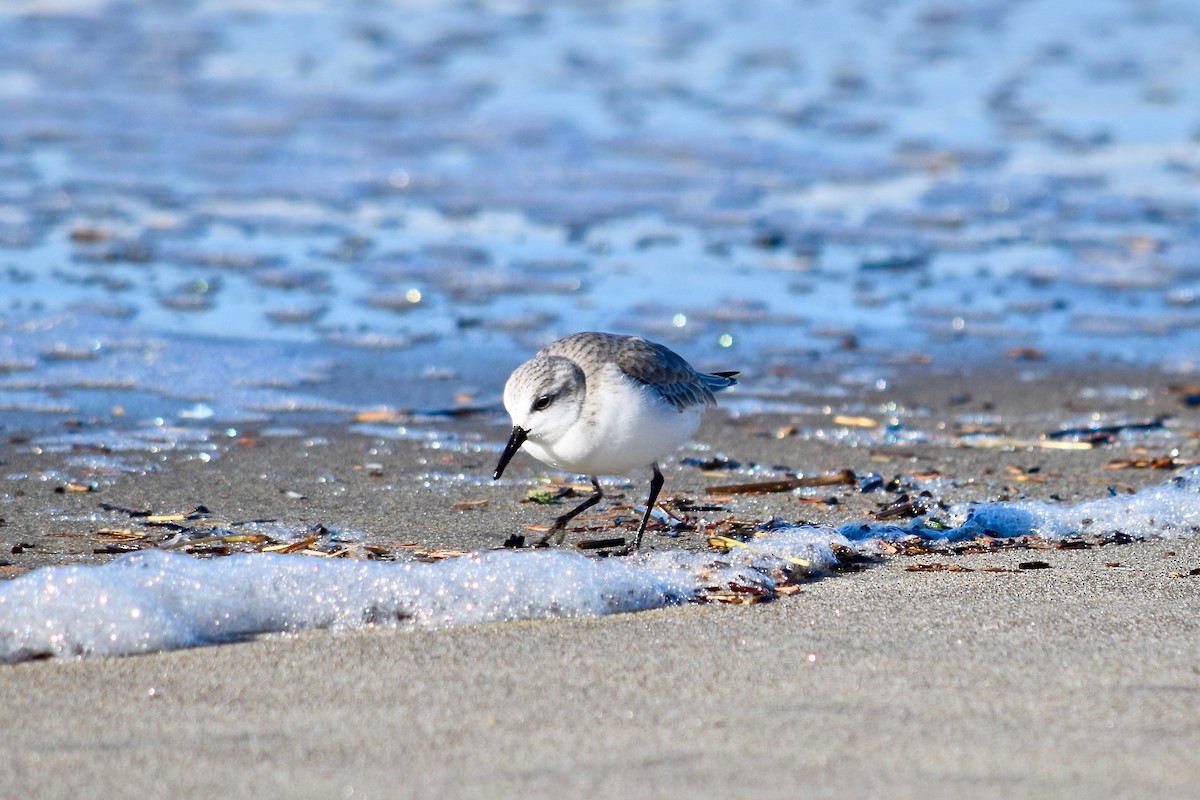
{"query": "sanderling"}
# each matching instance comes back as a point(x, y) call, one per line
point(603, 404)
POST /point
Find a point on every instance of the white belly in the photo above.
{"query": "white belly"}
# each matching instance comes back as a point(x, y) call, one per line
point(627, 430)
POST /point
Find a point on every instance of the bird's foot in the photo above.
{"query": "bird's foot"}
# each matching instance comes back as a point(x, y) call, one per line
point(557, 533)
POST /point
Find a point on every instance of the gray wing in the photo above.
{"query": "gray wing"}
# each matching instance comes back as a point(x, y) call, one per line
point(647, 363)
point(717, 381)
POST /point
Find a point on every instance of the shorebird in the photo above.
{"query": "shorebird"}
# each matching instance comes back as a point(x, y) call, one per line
point(605, 404)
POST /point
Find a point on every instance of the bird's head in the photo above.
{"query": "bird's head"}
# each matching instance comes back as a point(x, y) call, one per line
point(544, 398)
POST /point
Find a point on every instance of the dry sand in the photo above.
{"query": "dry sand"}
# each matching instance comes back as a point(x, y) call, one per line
point(1078, 680)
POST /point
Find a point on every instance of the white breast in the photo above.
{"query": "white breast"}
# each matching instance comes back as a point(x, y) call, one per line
point(624, 427)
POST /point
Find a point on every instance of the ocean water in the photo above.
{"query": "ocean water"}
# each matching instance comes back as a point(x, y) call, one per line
point(155, 600)
point(208, 202)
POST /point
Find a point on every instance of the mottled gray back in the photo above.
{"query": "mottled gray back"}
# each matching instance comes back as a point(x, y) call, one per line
point(646, 362)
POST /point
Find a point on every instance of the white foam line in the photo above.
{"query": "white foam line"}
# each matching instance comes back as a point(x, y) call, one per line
point(1169, 509)
point(156, 600)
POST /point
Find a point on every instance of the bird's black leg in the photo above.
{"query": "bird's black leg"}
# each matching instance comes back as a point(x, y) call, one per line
point(560, 524)
point(656, 483)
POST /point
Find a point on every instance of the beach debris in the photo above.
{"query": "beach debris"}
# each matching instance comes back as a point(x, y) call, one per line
point(196, 532)
point(1021, 444)
point(382, 415)
point(1172, 461)
point(129, 512)
point(601, 544)
point(819, 501)
point(937, 566)
point(75, 488)
point(725, 543)
point(1104, 434)
point(855, 422)
point(715, 463)
point(870, 482)
point(1072, 544)
point(1025, 475)
point(162, 519)
point(288, 547)
point(459, 412)
point(117, 535)
point(850, 559)
point(432, 555)
point(234, 538)
point(844, 476)
point(470, 505)
point(759, 562)
point(689, 507)
point(548, 495)
point(1189, 394)
point(905, 506)
point(733, 593)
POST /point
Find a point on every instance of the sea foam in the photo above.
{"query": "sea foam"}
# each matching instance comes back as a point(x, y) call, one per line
point(155, 600)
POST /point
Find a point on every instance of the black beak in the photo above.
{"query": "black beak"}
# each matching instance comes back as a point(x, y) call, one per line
point(514, 444)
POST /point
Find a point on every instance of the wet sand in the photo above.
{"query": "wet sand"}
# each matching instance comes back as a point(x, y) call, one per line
point(1074, 680)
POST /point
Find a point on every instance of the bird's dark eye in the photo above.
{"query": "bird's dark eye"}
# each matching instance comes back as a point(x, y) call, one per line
point(542, 403)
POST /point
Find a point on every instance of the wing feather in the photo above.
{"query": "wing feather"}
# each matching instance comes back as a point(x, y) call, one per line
point(647, 363)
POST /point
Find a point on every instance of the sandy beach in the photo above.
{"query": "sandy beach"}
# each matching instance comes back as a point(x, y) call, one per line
point(264, 270)
point(1077, 679)
point(1074, 681)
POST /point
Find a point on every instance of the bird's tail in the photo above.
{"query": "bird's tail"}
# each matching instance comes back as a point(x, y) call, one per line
point(716, 381)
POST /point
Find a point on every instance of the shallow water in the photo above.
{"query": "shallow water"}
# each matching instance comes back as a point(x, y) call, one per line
point(206, 205)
